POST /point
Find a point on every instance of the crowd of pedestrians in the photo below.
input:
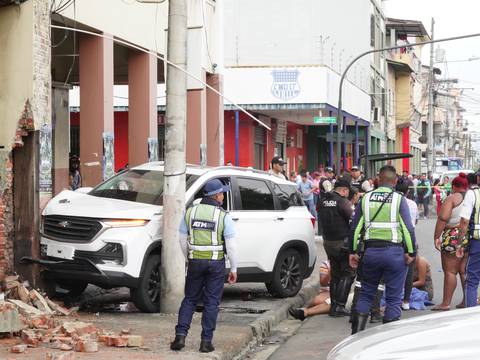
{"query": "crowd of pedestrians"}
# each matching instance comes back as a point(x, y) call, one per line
point(368, 229)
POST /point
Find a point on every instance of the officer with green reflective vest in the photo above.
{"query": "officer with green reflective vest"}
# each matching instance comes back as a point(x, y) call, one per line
point(207, 236)
point(470, 228)
point(383, 234)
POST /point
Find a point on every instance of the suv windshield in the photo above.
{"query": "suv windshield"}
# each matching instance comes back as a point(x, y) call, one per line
point(143, 186)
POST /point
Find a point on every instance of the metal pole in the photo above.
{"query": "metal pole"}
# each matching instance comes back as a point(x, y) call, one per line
point(344, 147)
point(367, 144)
point(173, 262)
point(356, 144)
point(342, 78)
point(431, 115)
point(237, 135)
point(330, 154)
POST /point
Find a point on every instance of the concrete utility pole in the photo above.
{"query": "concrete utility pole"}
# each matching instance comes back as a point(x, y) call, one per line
point(431, 116)
point(173, 262)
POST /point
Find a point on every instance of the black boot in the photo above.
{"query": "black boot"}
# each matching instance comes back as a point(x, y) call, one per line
point(385, 321)
point(206, 346)
point(356, 293)
point(359, 322)
point(297, 313)
point(333, 298)
point(178, 343)
point(343, 290)
point(375, 313)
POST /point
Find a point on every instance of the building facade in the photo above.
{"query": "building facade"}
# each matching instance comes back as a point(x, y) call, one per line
point(289, 72)
point(51, 47)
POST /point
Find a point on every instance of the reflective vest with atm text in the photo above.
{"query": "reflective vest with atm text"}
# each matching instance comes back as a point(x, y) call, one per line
point(206, 224)
point(387, 224)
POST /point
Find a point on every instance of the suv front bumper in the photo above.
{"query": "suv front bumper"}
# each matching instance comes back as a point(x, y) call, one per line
point(82, 269)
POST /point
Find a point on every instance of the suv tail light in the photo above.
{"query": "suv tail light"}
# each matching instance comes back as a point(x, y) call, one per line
point(312, 219)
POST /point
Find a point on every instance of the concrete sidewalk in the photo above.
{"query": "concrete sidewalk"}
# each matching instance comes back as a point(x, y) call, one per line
point(248, 314)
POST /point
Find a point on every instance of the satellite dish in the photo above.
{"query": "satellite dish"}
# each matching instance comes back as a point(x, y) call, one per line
point(423, 139)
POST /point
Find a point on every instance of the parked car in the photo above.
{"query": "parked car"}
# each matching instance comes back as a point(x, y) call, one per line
point(111, 235)
point(447, 335)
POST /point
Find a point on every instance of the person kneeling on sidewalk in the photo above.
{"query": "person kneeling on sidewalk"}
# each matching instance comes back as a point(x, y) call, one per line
point(321, 303)
point(206, 231)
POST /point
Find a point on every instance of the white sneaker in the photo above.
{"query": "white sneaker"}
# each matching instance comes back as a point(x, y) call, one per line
point(405, 306)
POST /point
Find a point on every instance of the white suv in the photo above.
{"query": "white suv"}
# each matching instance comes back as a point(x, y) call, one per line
point(111, 235)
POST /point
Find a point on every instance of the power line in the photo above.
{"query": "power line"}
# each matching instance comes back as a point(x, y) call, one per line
point(119, 41)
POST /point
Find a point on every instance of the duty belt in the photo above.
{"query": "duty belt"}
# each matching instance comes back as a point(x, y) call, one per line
point(380, 244)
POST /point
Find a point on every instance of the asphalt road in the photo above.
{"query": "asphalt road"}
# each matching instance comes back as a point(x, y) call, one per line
point(316, 336)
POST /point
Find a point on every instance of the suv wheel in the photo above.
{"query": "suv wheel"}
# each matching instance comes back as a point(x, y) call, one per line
point(287, 276)
point(146, 296)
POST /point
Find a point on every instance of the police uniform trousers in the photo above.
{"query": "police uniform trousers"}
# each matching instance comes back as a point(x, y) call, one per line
point(387, 262)
point(205, 278)
point(338, 258)
point(472, 279)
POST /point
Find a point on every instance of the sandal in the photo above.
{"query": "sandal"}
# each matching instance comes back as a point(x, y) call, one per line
point(438, 308)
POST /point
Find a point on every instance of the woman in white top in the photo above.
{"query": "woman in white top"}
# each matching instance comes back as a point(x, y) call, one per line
point(447, 241)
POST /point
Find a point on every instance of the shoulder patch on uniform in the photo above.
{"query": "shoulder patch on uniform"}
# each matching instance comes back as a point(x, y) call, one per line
point(203, 225)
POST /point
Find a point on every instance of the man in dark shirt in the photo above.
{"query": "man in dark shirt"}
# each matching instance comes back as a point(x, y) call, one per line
point(335, 212)
point(357, 178)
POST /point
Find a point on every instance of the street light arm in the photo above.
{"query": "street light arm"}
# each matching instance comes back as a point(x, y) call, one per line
point(342, 79)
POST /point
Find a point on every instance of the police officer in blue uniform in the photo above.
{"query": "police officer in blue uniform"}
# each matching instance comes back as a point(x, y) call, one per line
point(207, 235)
point(383, 226)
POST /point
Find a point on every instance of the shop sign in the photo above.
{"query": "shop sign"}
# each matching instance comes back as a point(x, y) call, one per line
point(285, 84)
point(324, 120)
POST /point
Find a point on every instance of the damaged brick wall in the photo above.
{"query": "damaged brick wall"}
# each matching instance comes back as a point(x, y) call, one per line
point(7, 220)
point(6, 212)
point(36, 113)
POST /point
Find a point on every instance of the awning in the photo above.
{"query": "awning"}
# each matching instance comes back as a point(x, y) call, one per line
point(387, 156)
point(407, 27)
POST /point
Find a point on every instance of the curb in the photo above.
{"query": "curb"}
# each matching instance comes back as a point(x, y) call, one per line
point(262, 326)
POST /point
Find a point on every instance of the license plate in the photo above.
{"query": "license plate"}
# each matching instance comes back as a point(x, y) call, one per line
point(60, 251)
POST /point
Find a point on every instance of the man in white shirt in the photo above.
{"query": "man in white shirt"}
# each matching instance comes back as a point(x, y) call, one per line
point(277, 167)
point(470, 214)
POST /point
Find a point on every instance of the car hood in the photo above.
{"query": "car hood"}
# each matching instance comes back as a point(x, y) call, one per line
point(72, 203)
point(448, 335)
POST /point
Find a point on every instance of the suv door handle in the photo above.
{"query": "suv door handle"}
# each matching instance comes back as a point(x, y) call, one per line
point(235, 218)
point(278, 218)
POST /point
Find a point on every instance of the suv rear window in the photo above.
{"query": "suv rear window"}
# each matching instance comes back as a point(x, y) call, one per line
point(287, 195)
point(255, 194)
point(142, 186)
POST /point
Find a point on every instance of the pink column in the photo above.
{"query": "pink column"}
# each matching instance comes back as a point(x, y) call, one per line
point(142, 105)
point(215, 122)
point(196, 124)
point(96, 104)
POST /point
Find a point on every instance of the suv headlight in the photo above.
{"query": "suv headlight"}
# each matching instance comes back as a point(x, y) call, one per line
point(125, 222)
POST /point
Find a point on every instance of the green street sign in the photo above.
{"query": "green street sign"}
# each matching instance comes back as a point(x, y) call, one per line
point(324, 120)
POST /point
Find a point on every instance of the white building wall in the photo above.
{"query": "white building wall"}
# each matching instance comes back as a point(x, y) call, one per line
point(301, 32)
point(146, 25)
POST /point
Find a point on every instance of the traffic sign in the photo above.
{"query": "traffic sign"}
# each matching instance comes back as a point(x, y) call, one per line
point(324, 120)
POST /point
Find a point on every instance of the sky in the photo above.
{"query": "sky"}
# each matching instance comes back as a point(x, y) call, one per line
point(452, 18)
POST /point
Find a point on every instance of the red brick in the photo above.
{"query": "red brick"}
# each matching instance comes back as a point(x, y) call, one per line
point(85, 345)
point(18, 349)
point(135, 341)
point(60, 356)
point(30, 338)
point(79, 328)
